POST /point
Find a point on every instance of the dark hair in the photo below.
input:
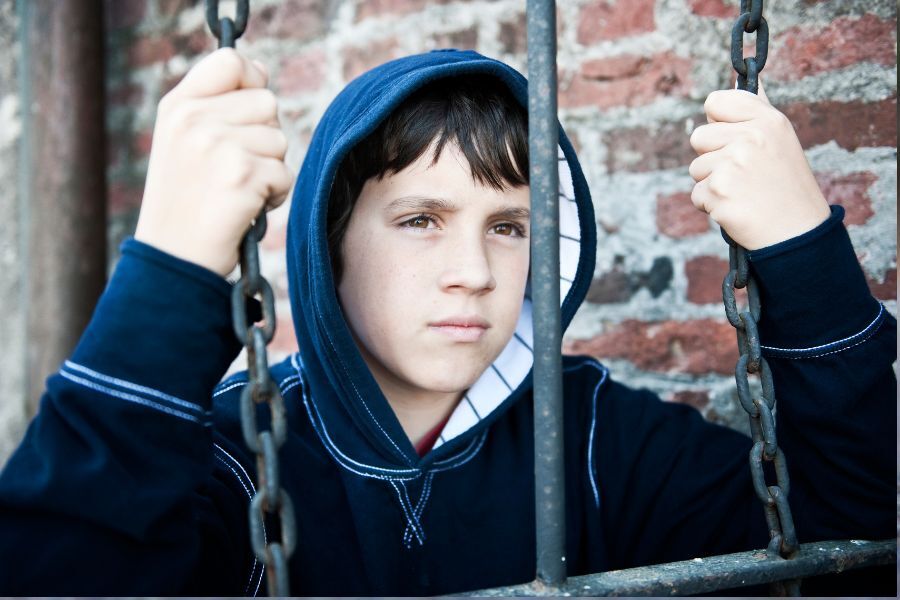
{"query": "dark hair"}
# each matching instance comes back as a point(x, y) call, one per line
point(478, 113)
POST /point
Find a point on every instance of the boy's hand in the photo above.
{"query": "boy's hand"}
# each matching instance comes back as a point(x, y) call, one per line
point(752, 176)
point(217, 159)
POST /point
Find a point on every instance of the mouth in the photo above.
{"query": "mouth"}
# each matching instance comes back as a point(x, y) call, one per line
point(461, 329)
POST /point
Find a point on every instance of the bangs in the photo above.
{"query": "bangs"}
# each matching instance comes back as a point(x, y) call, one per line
point(478, 114)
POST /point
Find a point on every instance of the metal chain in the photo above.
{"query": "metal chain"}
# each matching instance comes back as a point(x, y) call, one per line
point(270, 500)
point(783, 537)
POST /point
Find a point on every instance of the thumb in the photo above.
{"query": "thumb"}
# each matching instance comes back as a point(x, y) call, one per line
point(762, 92)
point(221, 71)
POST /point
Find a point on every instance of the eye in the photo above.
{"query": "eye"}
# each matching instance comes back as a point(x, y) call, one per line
point(508, 229)
point(419, 222)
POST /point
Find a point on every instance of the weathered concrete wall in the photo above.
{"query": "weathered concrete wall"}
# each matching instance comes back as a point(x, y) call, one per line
point(12, 306)
point(633, 77)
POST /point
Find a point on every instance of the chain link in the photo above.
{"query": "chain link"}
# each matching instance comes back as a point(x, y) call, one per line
point(270, 500)
point(774, 498)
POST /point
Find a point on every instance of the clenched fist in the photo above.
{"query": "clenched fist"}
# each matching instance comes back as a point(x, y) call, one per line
point(752, 176)
point(217, 159)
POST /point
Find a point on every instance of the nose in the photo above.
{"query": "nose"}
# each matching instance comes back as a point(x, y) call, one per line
point(467, 266)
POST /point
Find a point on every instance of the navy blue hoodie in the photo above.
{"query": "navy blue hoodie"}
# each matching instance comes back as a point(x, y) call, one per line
point(133, 478)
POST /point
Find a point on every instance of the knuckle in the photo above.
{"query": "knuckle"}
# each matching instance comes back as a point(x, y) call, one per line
point(693, 170)
point(696, 196)
point(231, 60)
point(268, 102)
point(236, 168)
point(755, 137)
point(718, 185)
point(281, 142)
point(695, 137)
point(740, 156)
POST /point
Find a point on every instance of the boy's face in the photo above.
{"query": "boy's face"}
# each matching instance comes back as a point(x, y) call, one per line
point(435, 267)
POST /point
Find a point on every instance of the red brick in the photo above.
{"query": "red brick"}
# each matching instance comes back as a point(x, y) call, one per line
point(603, 20)
point(699, 399)
point(296, 20)
point(713, 8)
point(302, 73)
point(358, 60)
point(846, 41)
point(694, 347)
point(513, 36)
point(141, 143)
point(196, 42)
point(611, 287)
point(170, 8)
point(886, 288)
point(127, 94)
point(642, 149)
point(377, 8)
point(626, 80)
point(850, 191)
point(122, 15)
point(123, 198)
point(676, 216)
point(705, 275)
point(465, 39)
point(148, 50)
point(850, 124)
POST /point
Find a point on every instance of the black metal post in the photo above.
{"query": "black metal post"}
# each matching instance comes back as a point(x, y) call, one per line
point(63, 178)
point(548, 432)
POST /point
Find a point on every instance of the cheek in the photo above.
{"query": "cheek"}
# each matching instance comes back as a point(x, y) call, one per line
point(380, 285)
point(512, 280)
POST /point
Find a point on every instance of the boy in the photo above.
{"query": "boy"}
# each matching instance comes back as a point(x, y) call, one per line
point(409, 457)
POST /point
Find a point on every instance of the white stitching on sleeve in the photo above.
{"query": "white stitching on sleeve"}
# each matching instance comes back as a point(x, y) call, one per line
point(133, 386)
point(874, 324)
point(131, 398)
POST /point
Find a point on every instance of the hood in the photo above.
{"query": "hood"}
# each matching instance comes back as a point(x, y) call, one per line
point(347, 407)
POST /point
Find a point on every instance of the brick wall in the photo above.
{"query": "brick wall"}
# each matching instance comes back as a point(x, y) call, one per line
point(633, 77)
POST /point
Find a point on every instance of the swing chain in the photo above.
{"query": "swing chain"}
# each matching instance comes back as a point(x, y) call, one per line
point(270, 499)
point(783, 536)
point(750, 21)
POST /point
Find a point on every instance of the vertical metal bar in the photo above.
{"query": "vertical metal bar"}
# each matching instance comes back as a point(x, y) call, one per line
point(65, 178)
point(544, 174)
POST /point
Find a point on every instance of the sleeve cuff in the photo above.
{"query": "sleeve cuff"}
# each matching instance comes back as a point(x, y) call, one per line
point(162, 327)
point(813, 292)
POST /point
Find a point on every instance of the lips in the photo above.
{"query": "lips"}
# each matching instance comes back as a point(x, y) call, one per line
point(468, 328)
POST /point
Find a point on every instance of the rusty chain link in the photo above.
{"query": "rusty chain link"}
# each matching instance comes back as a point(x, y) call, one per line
point(270, 499)
point(783, 537)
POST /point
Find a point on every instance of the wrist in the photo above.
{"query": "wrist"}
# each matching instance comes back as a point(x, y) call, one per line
point(812, 288)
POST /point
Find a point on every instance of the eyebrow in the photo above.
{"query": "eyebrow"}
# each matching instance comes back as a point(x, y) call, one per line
point(443, 205)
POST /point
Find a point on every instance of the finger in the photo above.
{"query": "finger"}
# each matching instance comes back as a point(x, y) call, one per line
point(221, 71)
point(701, 197)
point(274, 180)
point(734, 106)
point(703, 165)
point(261, 140)
point(241, 107)
point(714, 136)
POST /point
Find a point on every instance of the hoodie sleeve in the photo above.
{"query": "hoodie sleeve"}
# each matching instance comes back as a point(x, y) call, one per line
point(111, 491)
point(674, 486)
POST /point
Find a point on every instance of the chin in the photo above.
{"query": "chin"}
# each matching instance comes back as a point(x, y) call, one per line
point(450, 380)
